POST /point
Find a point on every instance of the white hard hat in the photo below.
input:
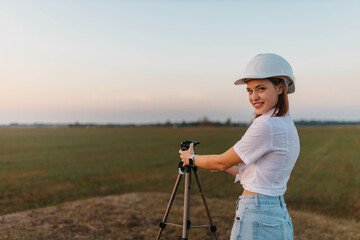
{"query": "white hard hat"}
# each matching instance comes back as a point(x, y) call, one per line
point(267, 65)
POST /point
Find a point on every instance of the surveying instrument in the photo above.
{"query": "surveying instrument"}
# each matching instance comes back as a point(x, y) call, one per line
point(186, 226)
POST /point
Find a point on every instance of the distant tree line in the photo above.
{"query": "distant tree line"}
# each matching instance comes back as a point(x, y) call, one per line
point(204, 122)
point(326, 123)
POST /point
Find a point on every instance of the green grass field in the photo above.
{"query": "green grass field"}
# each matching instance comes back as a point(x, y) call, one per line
point(41, 167)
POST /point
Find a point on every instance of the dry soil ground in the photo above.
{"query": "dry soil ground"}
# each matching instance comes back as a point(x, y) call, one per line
point(137, 215)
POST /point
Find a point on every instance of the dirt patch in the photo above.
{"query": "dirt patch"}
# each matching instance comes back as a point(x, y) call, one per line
point(137, 216)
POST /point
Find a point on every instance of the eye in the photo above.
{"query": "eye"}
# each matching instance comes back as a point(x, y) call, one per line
point(249, 91)
point(261, 89)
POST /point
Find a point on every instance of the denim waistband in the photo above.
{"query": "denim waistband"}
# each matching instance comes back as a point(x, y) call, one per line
point(259, 200)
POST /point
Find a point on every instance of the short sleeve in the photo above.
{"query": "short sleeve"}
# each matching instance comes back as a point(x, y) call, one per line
point(256, 141)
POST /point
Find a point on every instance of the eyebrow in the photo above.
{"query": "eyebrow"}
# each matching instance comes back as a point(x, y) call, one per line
point(260, 85)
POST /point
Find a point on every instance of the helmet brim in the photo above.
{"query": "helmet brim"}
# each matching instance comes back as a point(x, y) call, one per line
point(290, 81)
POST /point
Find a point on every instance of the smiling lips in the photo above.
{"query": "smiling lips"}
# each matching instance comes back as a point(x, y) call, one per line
point(258, 104)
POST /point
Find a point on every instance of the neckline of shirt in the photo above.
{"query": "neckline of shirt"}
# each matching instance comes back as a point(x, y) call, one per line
point(268, 114)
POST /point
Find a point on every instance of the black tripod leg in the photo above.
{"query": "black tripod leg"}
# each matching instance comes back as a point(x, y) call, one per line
point(186, 216)
point(213, 227)
point(163, 223)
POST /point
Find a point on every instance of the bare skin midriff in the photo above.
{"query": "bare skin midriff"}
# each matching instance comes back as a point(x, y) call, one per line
point(246, 192)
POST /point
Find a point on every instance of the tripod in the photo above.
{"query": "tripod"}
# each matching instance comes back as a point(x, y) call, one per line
point(186, 216)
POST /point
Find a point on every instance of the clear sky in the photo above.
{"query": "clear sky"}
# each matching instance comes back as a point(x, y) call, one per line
point(153, 61)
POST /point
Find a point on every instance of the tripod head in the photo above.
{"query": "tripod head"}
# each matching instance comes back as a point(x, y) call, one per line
point(186, 144)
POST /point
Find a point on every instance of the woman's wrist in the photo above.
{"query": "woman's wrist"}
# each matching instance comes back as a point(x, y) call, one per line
point(192, 160)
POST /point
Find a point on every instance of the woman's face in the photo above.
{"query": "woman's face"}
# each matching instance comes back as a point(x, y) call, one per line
point(263, 95)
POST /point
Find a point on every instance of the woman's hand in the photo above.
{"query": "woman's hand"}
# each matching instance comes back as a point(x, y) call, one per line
point(185, 155)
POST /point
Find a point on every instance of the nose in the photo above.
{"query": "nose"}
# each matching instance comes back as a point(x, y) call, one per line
point(254, 96)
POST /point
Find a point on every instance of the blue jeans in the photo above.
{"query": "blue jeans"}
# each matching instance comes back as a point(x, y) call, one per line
point(262, 217)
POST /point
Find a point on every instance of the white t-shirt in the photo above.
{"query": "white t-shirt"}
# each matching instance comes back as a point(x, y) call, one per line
point(269, 150)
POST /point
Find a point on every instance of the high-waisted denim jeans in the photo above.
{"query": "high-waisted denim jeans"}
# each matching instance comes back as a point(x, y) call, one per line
point(262, 217)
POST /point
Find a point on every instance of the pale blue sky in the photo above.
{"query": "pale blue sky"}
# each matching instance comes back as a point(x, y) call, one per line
point(152, 61)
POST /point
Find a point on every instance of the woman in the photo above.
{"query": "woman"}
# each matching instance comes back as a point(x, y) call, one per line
point(264, 157)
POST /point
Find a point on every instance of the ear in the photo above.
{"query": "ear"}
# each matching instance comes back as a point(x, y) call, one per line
point(280, 88)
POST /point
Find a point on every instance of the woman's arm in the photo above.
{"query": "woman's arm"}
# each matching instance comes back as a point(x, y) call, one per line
point(220, 162)
point(233, 171)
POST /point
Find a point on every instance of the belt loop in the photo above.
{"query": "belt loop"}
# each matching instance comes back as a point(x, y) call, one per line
point(281, 202)
point(256, 201)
